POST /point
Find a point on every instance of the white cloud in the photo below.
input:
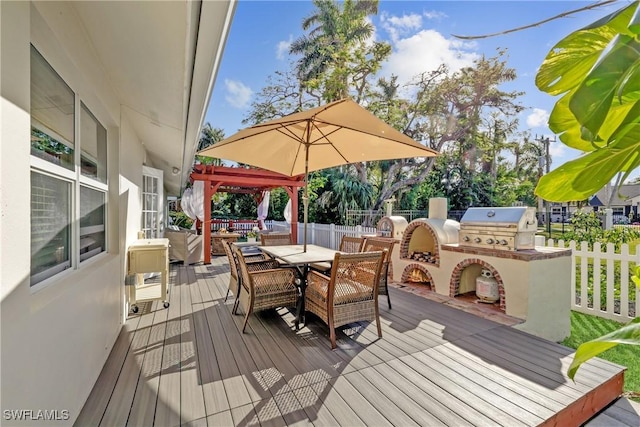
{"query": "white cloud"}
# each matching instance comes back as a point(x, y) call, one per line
point(557, 149)
point(435, 15)
point(238, 94)
point(539, 118)
point(397, 26)
point(425, 51)
point(282, 48)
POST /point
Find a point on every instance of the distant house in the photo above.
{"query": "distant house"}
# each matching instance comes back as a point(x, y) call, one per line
point(624, 202)
point(101, 105)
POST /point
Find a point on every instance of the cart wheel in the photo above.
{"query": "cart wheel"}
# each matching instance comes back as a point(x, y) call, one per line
point(166, 305)
point(134, 309)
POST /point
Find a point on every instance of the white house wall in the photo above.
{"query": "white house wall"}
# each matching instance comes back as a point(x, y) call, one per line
point(54, 341)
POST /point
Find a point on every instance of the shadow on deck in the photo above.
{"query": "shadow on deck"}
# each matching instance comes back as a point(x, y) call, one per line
point(435, 365)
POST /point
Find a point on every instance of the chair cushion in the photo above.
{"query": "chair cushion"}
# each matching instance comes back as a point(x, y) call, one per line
point(321, 266)
point(346, 291)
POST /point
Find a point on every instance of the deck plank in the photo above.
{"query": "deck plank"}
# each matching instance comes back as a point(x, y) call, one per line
point(358, 403)
point(463, 391)
point(191, 393)
point(317, 411)
point(623, 411)
point(435, 365)
point(168, 402)
point(119, 406)
point(425, 409)
point(291, 409)
point(144, 404)
point(96, 404)
point(234, 385)
point(214, 394)
point(381, 400)
point(526, 411)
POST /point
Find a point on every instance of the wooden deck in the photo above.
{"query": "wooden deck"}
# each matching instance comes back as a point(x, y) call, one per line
point(435, 365)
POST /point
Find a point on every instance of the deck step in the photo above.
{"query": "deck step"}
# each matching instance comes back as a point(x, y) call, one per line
point(622, 412)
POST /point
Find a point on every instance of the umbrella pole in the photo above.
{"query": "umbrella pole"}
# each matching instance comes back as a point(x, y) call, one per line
point(305, 197)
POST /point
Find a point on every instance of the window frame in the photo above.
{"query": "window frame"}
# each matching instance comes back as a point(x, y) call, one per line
point(158, 175)
point(76, 180)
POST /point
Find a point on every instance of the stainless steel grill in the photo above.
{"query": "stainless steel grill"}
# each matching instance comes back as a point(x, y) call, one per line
point(506, 229)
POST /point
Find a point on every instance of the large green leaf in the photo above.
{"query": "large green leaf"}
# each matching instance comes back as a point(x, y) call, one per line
point(594, 97)
point(580, 178)
point(569, 61)
point(629, 334)
point(563, 123)
point(629, 90)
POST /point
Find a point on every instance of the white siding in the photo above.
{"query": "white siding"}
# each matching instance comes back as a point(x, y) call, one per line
point(55, 341)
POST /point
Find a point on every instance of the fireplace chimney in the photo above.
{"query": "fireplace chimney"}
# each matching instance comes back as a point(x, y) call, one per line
point(438, 208)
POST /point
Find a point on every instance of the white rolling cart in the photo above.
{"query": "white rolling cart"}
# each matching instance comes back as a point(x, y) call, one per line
point(148, 256)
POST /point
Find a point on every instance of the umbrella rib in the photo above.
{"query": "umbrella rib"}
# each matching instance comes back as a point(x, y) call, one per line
point(329, 141)
point(373, 134)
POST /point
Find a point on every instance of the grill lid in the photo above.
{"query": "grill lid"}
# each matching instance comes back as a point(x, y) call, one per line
point(520, 217)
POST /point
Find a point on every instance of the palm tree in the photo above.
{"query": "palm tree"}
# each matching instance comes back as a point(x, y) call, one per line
point(332, 29)
point(209, 136)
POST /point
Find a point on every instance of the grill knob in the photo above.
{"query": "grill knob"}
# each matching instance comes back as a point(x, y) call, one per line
point(504, 242)
point(477, 240)
point(489, 241)
point(466, 238)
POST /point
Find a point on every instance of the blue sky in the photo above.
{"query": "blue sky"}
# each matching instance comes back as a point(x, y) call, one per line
point(421, 36)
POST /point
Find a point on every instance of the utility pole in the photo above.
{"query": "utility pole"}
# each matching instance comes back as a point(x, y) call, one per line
point(544, 167)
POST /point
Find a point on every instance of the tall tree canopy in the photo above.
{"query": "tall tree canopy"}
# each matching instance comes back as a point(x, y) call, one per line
point(464, 113)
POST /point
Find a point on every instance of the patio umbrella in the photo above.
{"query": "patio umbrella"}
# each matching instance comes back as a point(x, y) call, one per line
point(334, 134)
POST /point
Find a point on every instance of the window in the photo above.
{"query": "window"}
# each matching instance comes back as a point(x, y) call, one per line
point(152, 209)
point(93, 161)
point(92, 222)
point(52, 114)
point(50, 230)
point(68, 176)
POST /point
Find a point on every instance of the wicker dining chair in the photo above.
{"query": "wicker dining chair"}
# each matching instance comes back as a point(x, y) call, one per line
point(254, 263)
point(264, 289)
point(351, 244)
point(371, 245)
point(275, 239)
point(348, 244)
point(349, 295)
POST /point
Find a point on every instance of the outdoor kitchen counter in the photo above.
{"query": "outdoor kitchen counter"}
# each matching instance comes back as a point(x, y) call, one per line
point(539, 253)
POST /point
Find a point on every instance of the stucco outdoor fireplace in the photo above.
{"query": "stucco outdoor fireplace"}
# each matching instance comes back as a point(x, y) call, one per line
point(533, 283)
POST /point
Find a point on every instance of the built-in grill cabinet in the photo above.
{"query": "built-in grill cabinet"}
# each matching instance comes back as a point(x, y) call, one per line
point(507, 229)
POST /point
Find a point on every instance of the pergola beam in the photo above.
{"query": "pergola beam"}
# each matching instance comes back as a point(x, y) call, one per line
point(246, 181)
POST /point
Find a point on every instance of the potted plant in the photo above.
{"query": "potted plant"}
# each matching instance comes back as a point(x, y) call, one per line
point(252, 236)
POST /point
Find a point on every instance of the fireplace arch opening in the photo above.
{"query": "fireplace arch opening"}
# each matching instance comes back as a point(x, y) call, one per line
point(417, 274)
point(463, 280)
point(420, 243)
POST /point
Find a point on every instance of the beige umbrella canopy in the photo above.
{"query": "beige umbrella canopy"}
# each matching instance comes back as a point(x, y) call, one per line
point(338, 133)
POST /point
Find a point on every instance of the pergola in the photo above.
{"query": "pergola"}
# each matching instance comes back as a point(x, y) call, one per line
point(242, 180)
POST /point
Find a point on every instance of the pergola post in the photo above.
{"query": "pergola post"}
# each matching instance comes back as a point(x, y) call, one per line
point(206, 227)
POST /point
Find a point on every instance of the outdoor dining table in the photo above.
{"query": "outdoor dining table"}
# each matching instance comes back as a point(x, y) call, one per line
point(295, 256)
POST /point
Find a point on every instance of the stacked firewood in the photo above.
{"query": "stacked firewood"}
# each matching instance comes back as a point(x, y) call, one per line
point(423, 257)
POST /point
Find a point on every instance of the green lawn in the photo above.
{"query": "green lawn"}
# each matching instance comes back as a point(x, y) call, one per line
point(585, 328)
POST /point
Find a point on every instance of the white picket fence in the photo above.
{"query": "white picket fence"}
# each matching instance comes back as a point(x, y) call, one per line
point(327, 235)
point(610, 281)
point(611, 291)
